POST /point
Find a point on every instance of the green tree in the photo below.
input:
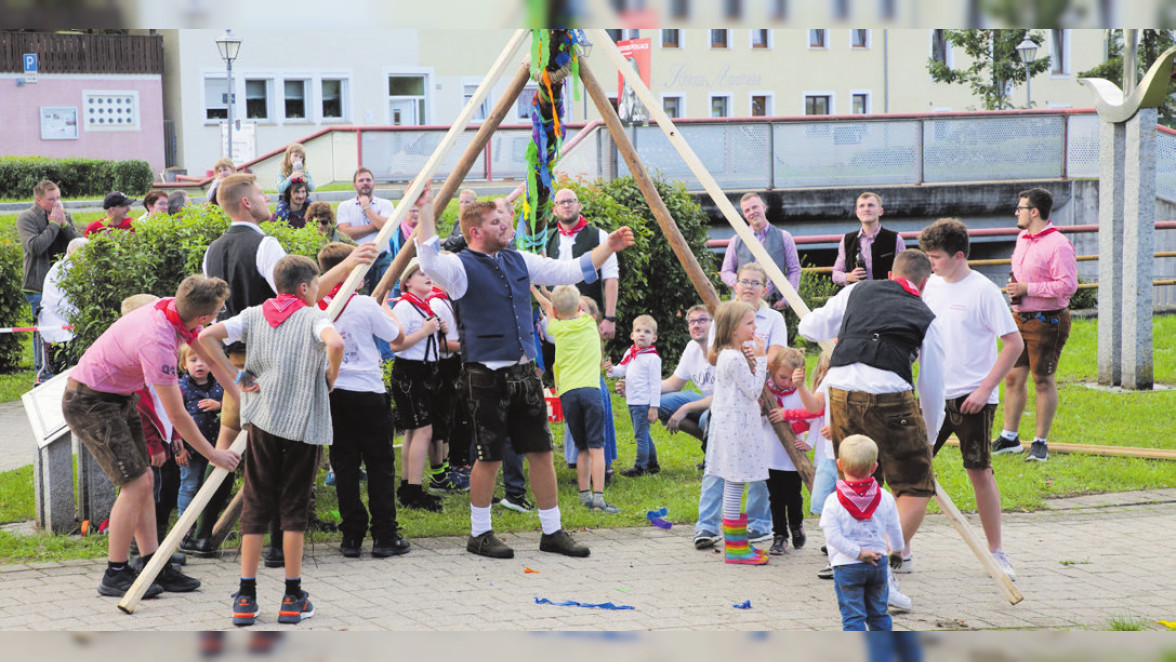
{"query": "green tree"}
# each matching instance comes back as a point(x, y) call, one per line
point(1152, 44)
point(995, 66)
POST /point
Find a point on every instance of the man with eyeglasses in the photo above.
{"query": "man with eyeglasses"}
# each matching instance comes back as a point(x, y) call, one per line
point(779, 244)
point(688, 411)
point(575, 236)
point(1044, 277)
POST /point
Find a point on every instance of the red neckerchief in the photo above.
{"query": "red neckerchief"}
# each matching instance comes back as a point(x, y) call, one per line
point(780, 393)
point(280, 308)
point(420, 304)
point(437, 293)
point(908, 286)
point(168, 306)
point(636, 351)
point(859, 497)
point(580, 225)
point(1049, 229)
point(326, 301)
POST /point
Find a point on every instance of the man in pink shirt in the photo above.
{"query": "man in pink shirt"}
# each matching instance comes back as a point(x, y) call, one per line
point(138, 350)
point(1044, 277)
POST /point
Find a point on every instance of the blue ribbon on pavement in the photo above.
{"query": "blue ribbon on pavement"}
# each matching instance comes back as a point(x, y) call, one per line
point(746, 604)
point(573, 603)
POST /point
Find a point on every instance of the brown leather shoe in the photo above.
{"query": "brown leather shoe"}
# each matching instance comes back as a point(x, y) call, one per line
point(489, 545)
point(562, 542)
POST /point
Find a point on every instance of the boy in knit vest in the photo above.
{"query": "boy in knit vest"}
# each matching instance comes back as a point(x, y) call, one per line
point(292, 346)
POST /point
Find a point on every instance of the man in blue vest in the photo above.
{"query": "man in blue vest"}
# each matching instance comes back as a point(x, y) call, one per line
point(779, 244)
point(491, 291)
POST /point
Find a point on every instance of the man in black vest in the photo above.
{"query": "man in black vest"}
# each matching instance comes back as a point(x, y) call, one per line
point(882, 327)
point(245, 256)
point(575, 236)
point(490, 290)
point(868, 253)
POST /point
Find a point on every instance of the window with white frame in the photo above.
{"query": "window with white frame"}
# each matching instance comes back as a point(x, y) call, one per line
point(818, 38)
point(671, 38)
point(940, 48)
point(859, 38)
point(332, 97)
point(1059, 52)
point(761, 39)
point(674, 106)
point(762, 104)
point(257, 97)
point(467, 93)
point(523, 103)
point(406, 99)
point(295, 99)
point(820, 103)
point(216, 102)
point(720, 105)
point(720, 39)
point(859, 103)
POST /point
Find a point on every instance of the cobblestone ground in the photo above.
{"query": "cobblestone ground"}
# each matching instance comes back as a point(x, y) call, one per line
point(1080, 563)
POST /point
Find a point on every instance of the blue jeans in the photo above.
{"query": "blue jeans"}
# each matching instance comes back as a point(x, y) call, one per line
point(646, 451)
point(888, 646)
point(824, 482)
point(34, 299)
point(710, 507)
point(861, 595)
point(672, 402)
point(191, 478)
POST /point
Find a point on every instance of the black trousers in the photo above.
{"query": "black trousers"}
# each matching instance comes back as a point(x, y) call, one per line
point(363, 435)
point(786, 500)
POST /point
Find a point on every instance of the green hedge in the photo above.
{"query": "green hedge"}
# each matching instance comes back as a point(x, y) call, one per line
point(76, 177)
point(14, 309)
point(154, 259)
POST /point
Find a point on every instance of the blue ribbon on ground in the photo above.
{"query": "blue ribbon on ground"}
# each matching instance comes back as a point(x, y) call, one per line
point(746, 604)
point(586, 605)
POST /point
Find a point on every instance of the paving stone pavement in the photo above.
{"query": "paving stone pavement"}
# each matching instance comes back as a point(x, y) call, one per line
point(1079, 567)
point(17, 446)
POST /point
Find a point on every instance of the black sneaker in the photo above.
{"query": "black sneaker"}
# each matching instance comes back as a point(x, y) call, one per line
point(416, 498)
point(275, 557)
point(562, 542)
point(489, 545)
point(295, 608)
point(608, 477)
point(633, 472)
point(245, 610)
point(201, 548)
point(653, 469)
point(350, 547)
point(798, 537)
point(393, 545)
point(826, 572)
point(517, 503)
point(174, 581)
point(1002, 445)
point(1038, 452)
point(779, 545)
point(116, 583)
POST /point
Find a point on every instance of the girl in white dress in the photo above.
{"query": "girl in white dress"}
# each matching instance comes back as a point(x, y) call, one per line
point(735, 451)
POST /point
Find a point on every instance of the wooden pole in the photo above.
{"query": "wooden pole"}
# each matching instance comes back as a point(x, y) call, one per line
point(978, 547)
point(168, 544)
point(475, 149)
point(228, 519)
point(1105, 451)
point(678, 243)
point(418, 183)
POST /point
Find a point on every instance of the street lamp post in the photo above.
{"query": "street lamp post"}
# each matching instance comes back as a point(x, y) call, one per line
point(229, 44)
point(1028, 52)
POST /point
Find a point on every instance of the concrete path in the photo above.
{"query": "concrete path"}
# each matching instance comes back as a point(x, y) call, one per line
point(17, 446)
point(1080, 563)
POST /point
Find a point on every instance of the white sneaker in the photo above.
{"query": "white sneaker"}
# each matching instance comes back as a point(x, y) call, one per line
point(1002, 560)
point(897, 600)
point(908, 566)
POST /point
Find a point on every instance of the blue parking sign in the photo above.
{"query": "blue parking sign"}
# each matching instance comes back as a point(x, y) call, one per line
point(30, 67)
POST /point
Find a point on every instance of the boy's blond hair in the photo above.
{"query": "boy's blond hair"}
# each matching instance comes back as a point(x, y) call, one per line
point(136, 301)
point(645, 320)
point(565, 299)
point(788, 356)
point(857, 454)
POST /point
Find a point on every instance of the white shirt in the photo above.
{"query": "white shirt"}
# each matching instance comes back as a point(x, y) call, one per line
point(693, 367)
point(235, 326)
point(822, 447)
point(448, 272)
point(412, 320)
point(444, 309)
point(778, 458)
point(268, 254)
point(973, 314)
point(642, 380)
point(607, 270)
point(846, 537)
point(350, 214)
point(824, 323)
point(55, 308)
point(360, 320)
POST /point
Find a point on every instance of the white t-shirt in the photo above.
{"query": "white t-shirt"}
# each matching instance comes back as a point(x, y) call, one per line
point(607, 270)
point(350, 214)
point(444, 309)
point(55, 308)
point(822, 447)
point(778, 458)
point(693, 367)
point(412, 320)
point(972, 314)
point(360, 320)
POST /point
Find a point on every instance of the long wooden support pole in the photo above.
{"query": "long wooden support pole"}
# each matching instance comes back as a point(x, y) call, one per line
point(430, 168)
point(606, 44)
point(1104, 451)
point(678, 243)
point(978, 546)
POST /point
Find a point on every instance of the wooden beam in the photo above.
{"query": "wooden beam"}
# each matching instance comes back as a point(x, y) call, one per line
point(978, 547)
point(1103, 451)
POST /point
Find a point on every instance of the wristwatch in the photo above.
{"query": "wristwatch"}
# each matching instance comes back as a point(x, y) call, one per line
point(610, 318)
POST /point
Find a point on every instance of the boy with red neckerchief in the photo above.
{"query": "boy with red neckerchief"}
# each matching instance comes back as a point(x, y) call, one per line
point(292, 346)
point(858, 519)
point(641, 368)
